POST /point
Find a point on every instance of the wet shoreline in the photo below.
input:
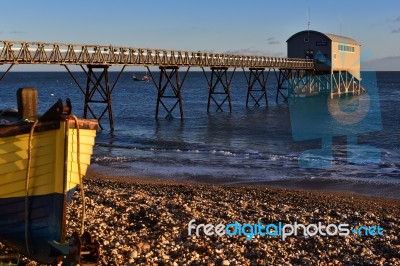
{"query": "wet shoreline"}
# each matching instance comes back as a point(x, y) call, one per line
point(389, 190)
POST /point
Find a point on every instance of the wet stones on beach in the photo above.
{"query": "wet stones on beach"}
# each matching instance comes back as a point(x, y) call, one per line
point(140, 223)
point(152, 218)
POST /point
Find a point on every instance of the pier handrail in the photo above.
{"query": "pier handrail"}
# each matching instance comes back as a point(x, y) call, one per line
point(16, 52)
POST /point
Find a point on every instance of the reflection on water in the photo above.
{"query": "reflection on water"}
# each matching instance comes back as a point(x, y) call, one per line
point(247, 145)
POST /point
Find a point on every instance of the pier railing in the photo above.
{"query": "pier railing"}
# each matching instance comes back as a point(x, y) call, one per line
point(12, 52)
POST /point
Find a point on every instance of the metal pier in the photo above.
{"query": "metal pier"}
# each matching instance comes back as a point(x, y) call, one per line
point(98, 90)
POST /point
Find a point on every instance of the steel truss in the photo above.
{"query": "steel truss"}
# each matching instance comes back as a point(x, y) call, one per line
point(257, 76)
point(169, 80)
point(282, 75)
point(97, 92)
point(342, 82)
point(14, 52)
point(219, 76)
point(306, 82)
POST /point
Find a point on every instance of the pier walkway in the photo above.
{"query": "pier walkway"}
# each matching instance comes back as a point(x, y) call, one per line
point(100, 57)
point(82, 54)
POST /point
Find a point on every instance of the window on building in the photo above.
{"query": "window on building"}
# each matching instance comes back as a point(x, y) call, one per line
point(334, 56)
point(346, 48)
point(309, 54)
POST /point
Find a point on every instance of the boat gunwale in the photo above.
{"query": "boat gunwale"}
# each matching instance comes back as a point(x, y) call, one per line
point(24, 127)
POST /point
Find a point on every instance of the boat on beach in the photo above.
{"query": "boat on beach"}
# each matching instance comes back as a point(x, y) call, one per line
point(42, 162)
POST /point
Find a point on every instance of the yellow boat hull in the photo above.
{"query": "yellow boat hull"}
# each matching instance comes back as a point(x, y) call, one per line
point(52, 177)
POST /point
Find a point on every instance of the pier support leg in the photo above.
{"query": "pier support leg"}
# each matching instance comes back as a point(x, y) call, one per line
point(98, 85)
point(169, 86)
point(300, 83)
point(219, 76)
point(322, 82)
point(257, 75)
point(6, 72)
point(284, 75)
point(344, 83)
point(97, 92)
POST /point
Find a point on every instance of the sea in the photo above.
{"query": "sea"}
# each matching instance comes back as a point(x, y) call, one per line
point(252, 145)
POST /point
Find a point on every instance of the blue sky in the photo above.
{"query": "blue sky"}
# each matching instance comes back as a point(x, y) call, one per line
point(248, 27)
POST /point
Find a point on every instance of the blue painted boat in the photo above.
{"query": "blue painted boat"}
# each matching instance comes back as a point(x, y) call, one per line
point(41, 165)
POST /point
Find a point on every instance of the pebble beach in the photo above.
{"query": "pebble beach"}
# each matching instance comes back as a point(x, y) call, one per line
point(145, 222)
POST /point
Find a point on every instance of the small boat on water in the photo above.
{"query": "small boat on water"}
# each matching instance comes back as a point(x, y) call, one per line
point(144, 78)
point(42, 161)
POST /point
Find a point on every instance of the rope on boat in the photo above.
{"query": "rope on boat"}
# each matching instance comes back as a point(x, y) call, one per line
point(80, 175)
point(27, 177)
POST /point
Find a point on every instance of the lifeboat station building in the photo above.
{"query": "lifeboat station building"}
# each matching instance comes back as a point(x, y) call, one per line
point(336, 61)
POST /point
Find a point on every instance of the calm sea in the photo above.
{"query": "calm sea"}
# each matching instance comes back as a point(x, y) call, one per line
point(250, 145)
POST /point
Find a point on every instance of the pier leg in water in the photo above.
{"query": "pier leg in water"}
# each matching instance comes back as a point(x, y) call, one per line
point(284, 75)
point(219, 76)
point(94, 86)
point(169, 86)
point(97, 91)
point(257, 76)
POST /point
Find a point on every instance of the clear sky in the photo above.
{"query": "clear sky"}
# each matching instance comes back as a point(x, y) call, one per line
point(234, 26)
